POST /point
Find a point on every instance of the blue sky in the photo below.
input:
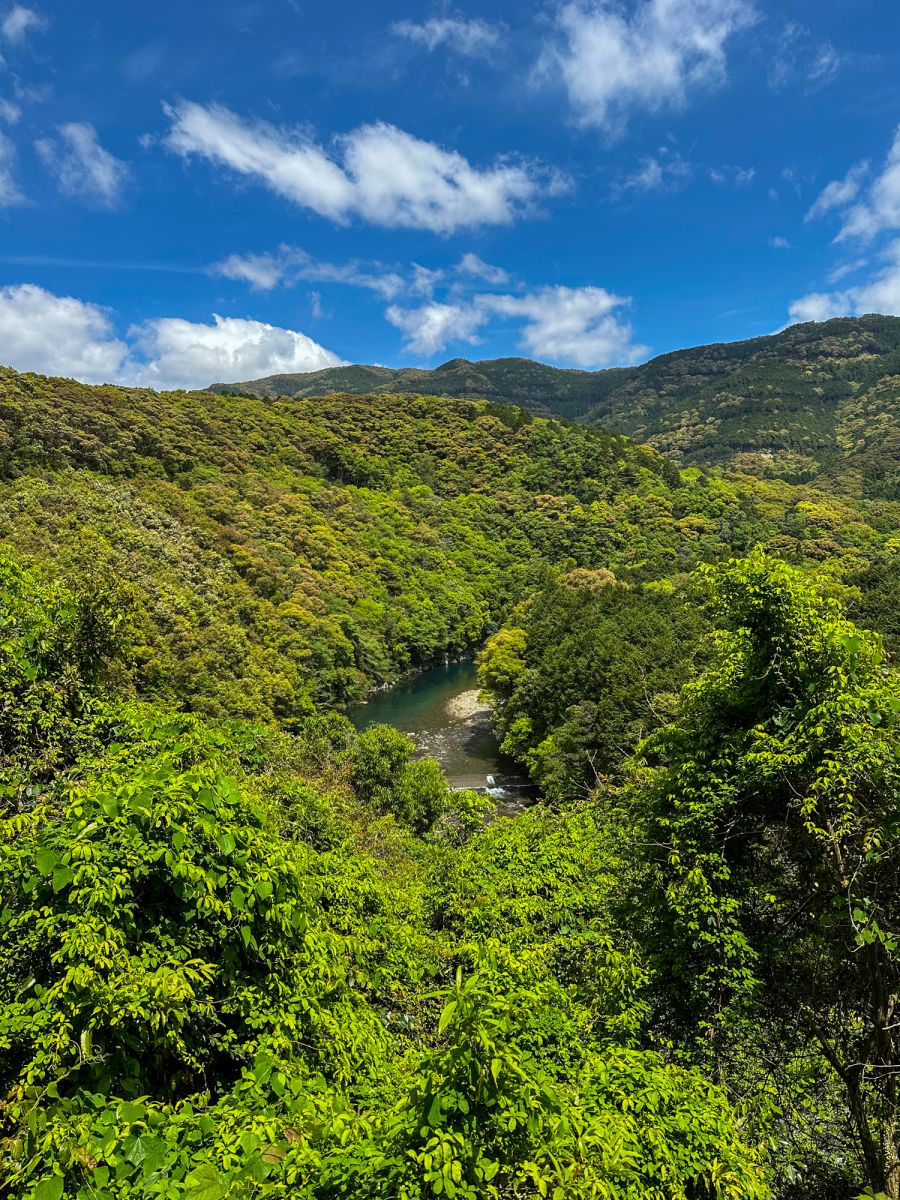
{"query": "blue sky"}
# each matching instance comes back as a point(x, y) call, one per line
point(199, 191)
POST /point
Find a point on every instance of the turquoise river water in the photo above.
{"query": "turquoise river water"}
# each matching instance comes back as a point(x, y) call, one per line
point(440, 710)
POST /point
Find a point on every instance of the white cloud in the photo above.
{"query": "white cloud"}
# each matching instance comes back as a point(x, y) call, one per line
point(82, 166)
point(880, 294)
point(19, 22)
point(9, 112)
point(58, 335)
point(577, 326)
point(289, 264)
point(262, 271)
point(9, 189)
point(612, 62)
point(839, 193)
point(842, 270)
point(472, 38)
point(799, 58)
point(188, 354)
point(879, 212)
point(737, 176)
point(430, 327)
point(477, 268)
point(821, 306)
point(662, 172)
point(779, 243)
point(572, 325)
point(424, 280)
point(384, 175)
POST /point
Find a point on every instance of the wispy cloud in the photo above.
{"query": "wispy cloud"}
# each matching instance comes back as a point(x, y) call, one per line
point(469, 37)
point(879, 210)
point(289, 265)
point(727, 175)
point(665, 171)
point(470, 264)
point(82, 166)
point(9, 112)
point(19, 22)
point(378, 172)
point(9, 189)
point(839, 192)
point(801, 59)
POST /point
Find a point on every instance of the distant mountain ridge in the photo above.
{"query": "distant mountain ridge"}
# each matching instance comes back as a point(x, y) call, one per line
point(542, 389)
point(817, 399)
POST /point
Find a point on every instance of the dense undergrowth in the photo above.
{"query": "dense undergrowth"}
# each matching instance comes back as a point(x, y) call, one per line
point(225, 973)
point(238, 962)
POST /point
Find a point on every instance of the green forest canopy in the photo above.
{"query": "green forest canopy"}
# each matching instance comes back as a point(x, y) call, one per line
point(250, 952)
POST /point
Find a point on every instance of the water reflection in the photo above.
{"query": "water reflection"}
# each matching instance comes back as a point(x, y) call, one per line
point(440, 710)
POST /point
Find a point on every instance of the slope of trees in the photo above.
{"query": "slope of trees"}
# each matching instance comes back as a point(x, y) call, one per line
point(290, 553)
point(814, 399)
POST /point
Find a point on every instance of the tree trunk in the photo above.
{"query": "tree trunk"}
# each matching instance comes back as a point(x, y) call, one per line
point(891, 1160)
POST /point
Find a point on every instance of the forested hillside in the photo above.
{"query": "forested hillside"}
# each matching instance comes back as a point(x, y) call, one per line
point(549, 391)
point(250, 952)
point(815, 399)
point(296, 551)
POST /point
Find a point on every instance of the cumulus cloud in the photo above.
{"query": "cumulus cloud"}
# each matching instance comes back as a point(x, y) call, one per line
point(19, 22)
point(612, 62)
point(432, 326)
point(472, 38)
point(377, 172)
point(289, 265)
point(82, 166)
point(820, 306)
point(879, 294)
point(9, 189)
point(60, 335)
point(189, 354)
point(572, 325)
point(577, 326)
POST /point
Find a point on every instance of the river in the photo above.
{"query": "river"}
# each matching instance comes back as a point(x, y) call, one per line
point(440, 711)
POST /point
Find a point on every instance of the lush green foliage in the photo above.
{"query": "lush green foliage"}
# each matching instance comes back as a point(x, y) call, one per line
point(753, 845)
point(813, 399)
point(293, 552)
point(774, 821)
point(247, 951)
point(584, 674)
point(222, 977)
